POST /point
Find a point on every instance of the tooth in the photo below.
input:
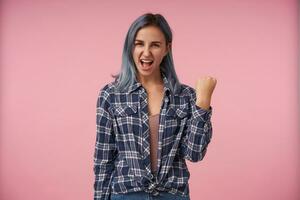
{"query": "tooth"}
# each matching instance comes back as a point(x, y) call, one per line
point(147, 61)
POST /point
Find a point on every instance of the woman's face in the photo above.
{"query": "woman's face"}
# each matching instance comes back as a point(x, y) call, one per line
point(148, 51)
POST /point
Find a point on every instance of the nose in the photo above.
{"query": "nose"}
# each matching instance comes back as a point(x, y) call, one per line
point(146, 51)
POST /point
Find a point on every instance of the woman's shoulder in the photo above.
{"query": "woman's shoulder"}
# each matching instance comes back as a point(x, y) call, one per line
point(187, 91)
point(106, 91)
point(108, 87)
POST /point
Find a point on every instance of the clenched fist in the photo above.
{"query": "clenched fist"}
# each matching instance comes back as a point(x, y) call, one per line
point(204, 89)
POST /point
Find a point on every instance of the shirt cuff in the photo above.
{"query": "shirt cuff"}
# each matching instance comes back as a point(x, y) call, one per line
point(201, 113)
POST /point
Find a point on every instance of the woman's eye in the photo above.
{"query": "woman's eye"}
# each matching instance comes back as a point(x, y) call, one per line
point(138, 44)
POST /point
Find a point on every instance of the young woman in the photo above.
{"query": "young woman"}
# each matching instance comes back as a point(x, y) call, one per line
point(148, 123)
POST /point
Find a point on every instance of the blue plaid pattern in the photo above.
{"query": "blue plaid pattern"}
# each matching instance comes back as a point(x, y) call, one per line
point(122, 148)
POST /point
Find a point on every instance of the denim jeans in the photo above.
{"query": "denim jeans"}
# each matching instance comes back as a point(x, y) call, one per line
point(141, 195)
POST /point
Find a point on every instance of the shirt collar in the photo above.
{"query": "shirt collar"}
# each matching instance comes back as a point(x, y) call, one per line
point(137, 84)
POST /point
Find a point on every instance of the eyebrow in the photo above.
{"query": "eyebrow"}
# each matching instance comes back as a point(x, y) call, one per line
point(151, 42)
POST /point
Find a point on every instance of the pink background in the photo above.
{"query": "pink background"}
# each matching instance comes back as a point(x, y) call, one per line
point(56, 55)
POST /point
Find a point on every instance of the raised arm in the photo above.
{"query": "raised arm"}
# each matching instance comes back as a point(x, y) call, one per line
point(198, 131)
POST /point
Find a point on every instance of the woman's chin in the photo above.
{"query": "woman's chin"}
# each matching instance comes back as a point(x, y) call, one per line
point(145, 71)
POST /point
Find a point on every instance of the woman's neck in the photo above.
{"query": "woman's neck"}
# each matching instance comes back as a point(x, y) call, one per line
point(151, 81)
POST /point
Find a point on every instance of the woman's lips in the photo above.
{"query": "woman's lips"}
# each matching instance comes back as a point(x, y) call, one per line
point(146, 65)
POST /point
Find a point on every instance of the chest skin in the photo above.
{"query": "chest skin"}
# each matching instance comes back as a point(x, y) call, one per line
point(155, 98)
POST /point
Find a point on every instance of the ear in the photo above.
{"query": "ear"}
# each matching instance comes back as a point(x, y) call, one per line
point(169, 47)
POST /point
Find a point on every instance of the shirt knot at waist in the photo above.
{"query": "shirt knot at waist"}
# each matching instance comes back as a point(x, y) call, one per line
point(153, 189)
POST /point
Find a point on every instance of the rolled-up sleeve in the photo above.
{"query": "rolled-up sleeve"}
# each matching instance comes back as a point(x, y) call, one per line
point(197, 132)
point(105, 148)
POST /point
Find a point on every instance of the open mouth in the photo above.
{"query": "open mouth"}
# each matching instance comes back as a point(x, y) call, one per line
point(146, 63)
